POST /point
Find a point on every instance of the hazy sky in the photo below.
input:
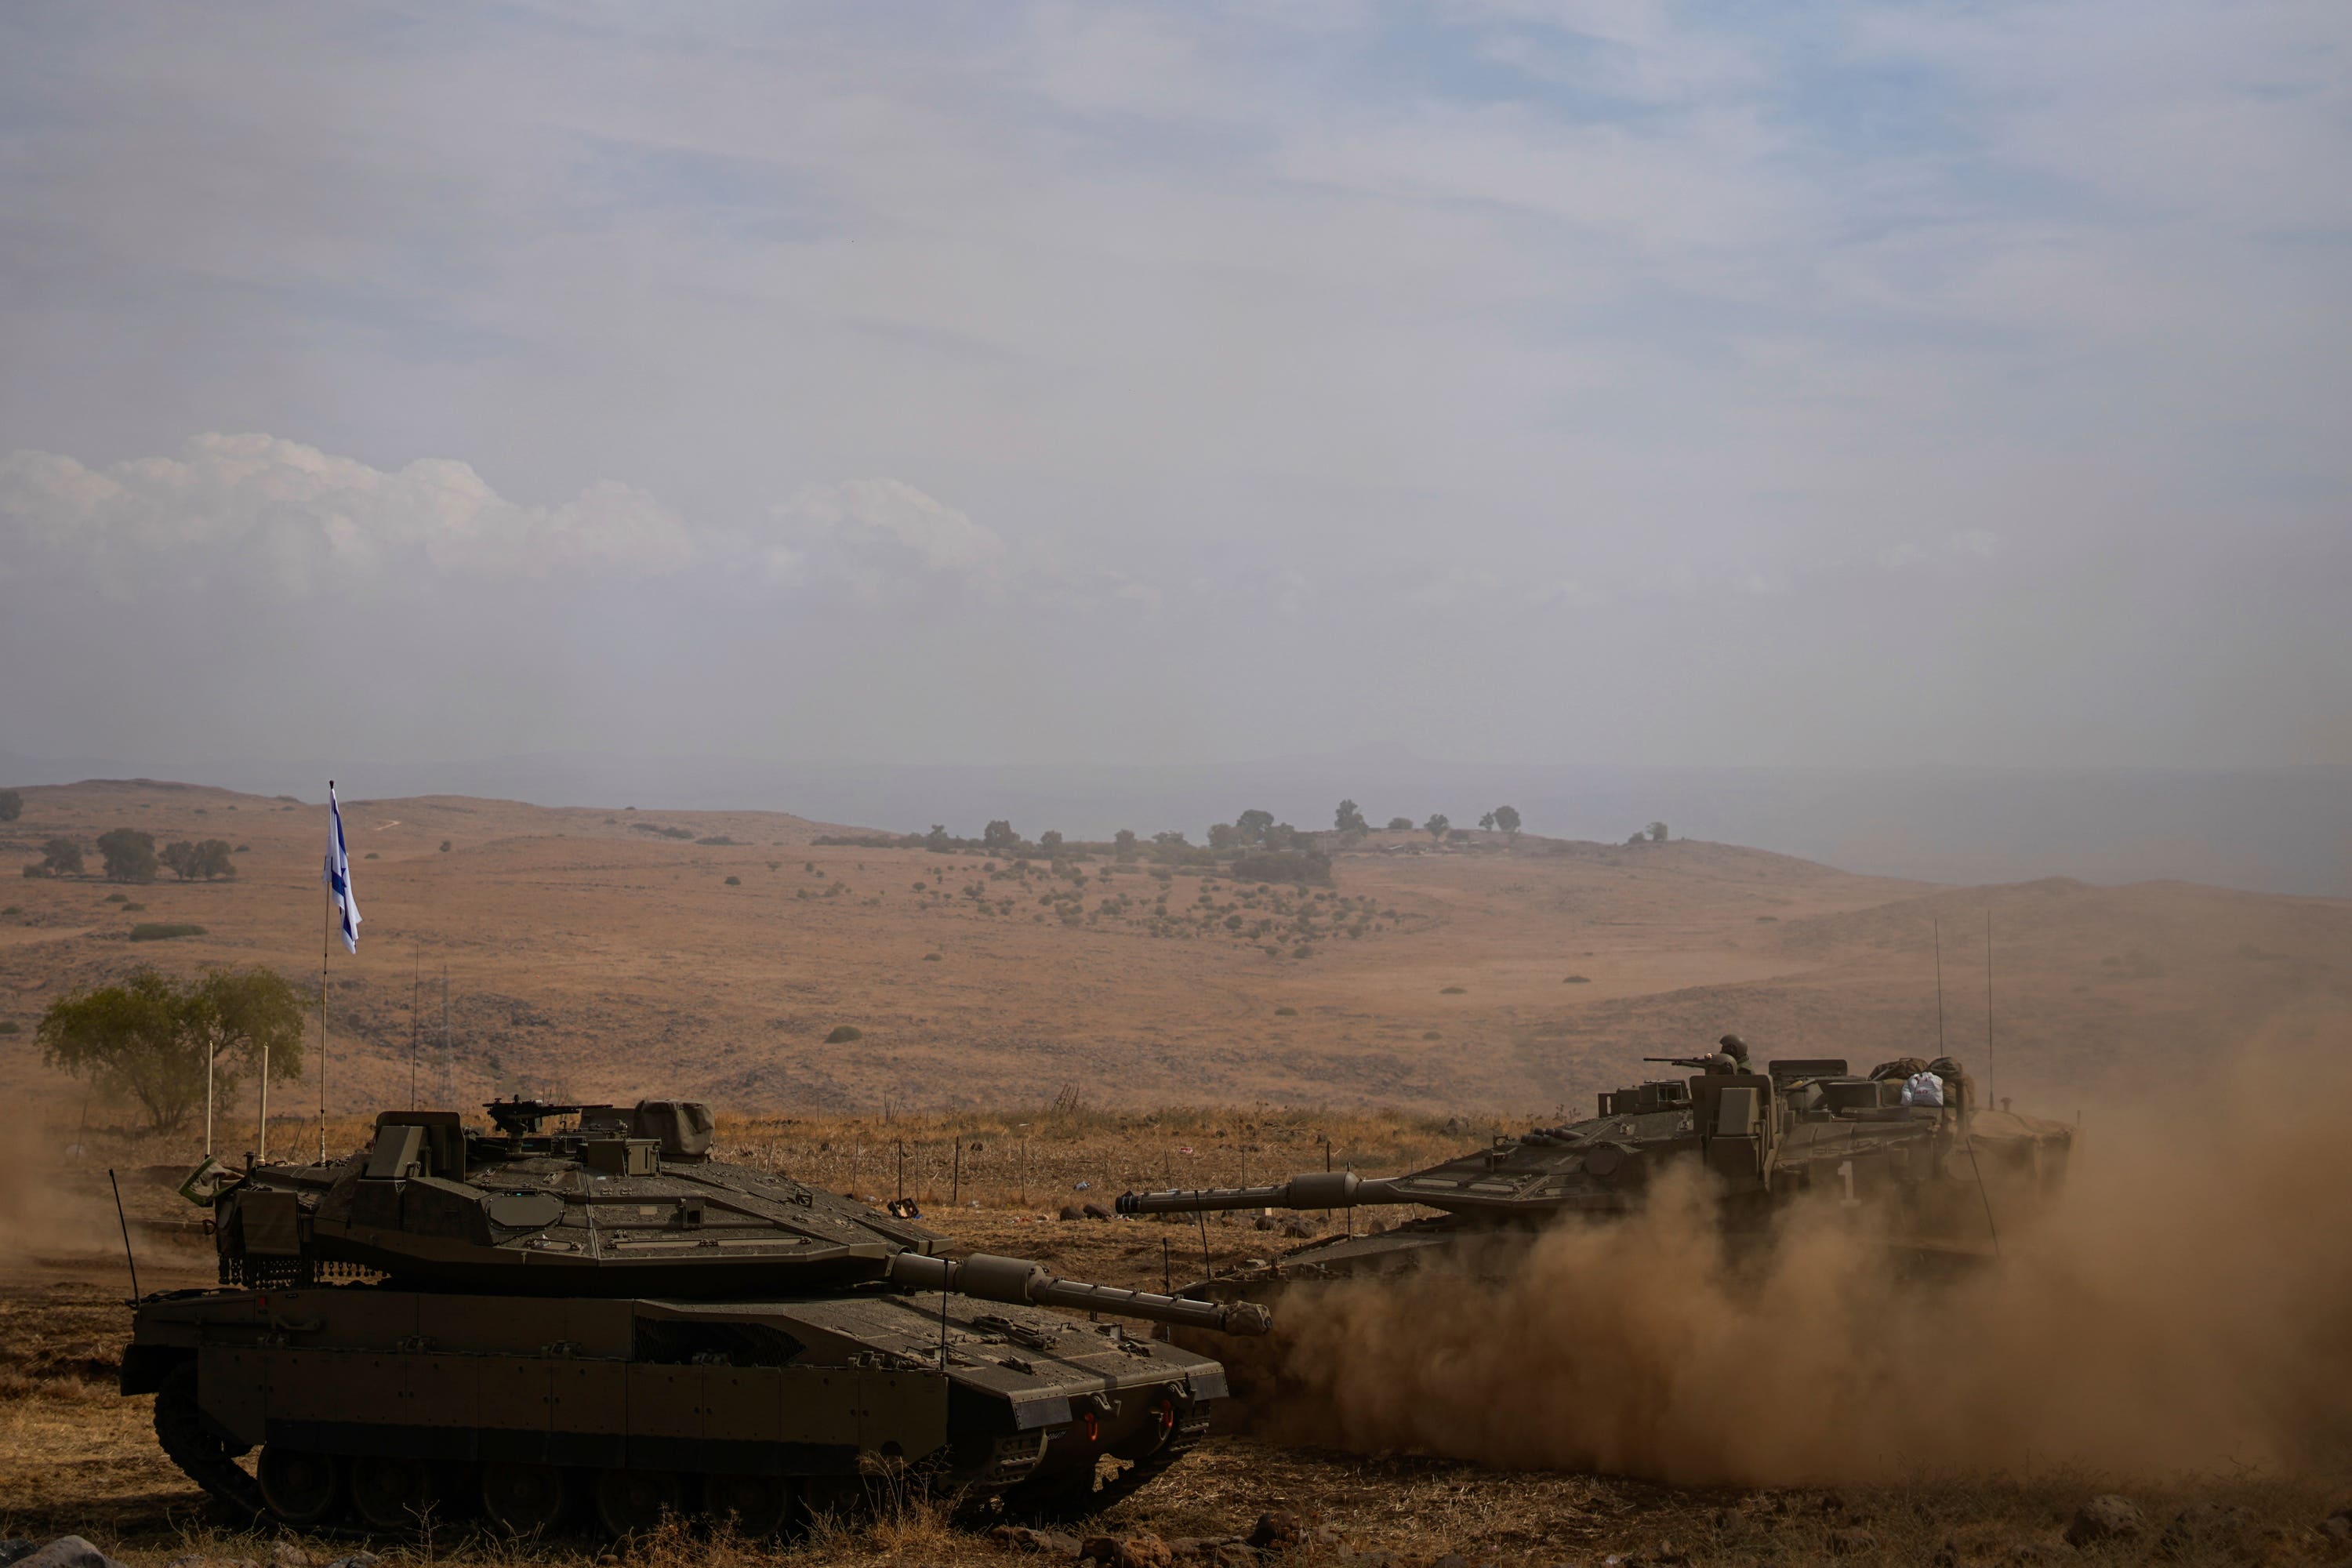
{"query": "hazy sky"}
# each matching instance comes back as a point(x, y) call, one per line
point(1604, 381)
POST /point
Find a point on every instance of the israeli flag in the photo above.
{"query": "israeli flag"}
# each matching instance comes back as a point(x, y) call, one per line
point(339, 871)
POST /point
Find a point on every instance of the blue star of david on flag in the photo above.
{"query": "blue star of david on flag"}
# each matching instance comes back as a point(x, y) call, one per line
point(339, 872)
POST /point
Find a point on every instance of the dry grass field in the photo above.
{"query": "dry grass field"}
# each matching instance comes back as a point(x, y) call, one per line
point(1075, 1047)
point(588, 954)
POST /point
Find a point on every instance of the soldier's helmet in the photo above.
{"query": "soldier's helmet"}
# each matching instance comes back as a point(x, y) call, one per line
point(1733, 1047)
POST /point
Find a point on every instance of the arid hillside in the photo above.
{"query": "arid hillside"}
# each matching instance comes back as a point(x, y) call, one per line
point(599, 952)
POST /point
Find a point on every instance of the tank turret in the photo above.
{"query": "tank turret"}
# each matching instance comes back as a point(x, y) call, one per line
point(599, 1316)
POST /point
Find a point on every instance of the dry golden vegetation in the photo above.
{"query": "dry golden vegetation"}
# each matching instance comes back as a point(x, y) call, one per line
point(588, 957)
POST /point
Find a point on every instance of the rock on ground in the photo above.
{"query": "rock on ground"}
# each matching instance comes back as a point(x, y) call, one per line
point(1276, 1531)
point(2104, 1517)
point(64, 1552)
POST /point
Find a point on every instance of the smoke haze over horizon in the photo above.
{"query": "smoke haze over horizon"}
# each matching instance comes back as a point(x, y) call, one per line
point(1608, 384)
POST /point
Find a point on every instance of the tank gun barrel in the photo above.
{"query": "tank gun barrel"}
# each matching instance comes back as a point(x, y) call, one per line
point(1315, 1190)
point(1020, 1282)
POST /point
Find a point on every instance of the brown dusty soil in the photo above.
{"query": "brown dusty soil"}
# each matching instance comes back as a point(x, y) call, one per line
point(79, 1459)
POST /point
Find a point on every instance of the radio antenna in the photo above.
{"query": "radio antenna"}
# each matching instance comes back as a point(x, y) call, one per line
point(1989, 1099)
point(125, 1224)
point(415, 998)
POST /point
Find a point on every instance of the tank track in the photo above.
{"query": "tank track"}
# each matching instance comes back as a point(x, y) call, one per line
point(207, 1461)
point(1074, 1503)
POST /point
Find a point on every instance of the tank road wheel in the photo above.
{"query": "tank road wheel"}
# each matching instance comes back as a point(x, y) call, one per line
point(302, 1487)
point(632, 1502)
point(396, 1496)
point(525, 1500)
point(760, 1506)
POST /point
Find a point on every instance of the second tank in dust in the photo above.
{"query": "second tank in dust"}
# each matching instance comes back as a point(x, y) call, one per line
point(1927, 1181)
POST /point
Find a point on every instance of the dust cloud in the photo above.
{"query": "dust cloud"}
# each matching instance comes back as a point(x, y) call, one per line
point(40, 1218)
point(2187, 1305)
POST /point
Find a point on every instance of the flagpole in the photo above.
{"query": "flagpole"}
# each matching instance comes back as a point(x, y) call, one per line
point(326, 941)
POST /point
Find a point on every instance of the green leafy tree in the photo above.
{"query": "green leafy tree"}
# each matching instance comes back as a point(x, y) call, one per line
point(147, 1041)
point(1400, 825)
point(1170, 839)
point(62, 856)
point(1281, 835)
point(208, 858)
point(1226, 835)
point(937, 838)
point(1349, 817)
point(1252, 825)
point(999, 834)
point(1507, 817)
point(12, 806)
point(129, 854)
point(1050, 840)
point(1123, 845)
point(1657, 832)
point(1487, 822)
point(1437, 825)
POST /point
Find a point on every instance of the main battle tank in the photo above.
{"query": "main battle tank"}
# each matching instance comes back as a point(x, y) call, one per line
point(605, 1319)
point(1930, 1182)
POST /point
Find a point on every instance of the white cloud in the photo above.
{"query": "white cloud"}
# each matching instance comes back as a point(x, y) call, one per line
point(305, 518)
point(874, 533)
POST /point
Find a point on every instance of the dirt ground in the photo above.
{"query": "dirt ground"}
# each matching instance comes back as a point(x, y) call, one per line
point(81, 1459)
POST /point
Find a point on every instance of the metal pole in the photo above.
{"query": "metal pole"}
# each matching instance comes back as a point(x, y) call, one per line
point(1938, 927)
point(326, 941)
point(448, 1078)
point(416, 995)
point(955, 1182)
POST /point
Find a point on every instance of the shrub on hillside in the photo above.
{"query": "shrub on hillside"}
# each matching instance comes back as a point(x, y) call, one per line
point(1297, 866)
point(12, 806)
point(843, 1034)
point(163, 930)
